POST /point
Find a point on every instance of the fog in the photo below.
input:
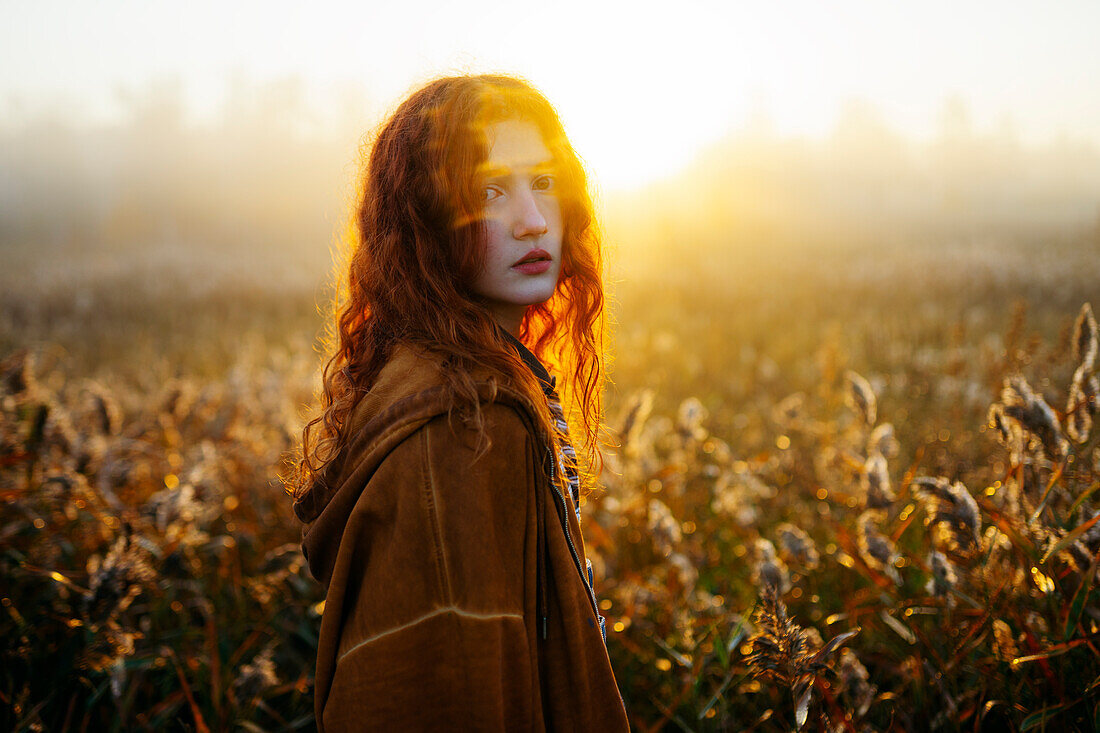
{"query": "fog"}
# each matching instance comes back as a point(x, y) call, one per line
point(262, 190)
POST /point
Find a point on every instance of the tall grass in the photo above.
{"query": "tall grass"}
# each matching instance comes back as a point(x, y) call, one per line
point(868, 503)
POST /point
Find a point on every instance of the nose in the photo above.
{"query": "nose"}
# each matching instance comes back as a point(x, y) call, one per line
point(528, 222)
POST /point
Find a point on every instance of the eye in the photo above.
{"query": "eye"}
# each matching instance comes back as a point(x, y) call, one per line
point(543, 183)
point(491, 193)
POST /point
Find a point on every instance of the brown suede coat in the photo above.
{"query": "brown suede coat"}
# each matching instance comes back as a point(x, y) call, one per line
point(439, 571)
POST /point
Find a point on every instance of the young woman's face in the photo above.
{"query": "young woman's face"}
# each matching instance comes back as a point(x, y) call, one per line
point(523, 227)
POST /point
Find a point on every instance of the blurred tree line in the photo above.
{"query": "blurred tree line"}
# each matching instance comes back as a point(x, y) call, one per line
point(272, 172)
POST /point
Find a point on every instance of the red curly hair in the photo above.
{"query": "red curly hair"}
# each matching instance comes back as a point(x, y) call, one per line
point(417, 248)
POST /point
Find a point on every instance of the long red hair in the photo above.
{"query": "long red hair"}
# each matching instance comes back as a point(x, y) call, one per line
point(416, 249)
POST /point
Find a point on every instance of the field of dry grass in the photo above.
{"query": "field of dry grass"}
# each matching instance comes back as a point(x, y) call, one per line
point(854, 490)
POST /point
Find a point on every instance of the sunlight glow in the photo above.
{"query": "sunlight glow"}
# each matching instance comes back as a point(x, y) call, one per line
point(642, 88)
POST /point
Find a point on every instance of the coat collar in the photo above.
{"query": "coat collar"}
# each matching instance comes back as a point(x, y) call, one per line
point(409, 390)
point(548, 382)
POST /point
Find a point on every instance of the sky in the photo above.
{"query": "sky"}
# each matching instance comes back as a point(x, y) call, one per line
point(642, 87)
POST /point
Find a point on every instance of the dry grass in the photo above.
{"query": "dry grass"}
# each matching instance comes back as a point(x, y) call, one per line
point(895, 442)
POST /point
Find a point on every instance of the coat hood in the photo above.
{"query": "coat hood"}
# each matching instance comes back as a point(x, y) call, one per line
point(409, 391)
point(502, 607)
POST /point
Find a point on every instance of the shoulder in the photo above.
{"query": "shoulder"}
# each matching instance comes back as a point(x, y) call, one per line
point(414, 384)
point(501, 427)
point(473, 481)
point(407, 372)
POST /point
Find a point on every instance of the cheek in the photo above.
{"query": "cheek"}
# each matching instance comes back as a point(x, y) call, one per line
point(558, 227)
point(493, 249)
point(554, 208)
point(492, 241)
point(552, 213)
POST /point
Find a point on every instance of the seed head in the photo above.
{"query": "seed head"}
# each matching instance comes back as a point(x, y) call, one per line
point(882, 440)
point(951, 510)
point(768, 569)
point(108, 645)
point(875, 548)
point(256, 677)
point(1085, 339)
point(684, 570)
point(116, 580)
point(796, 545)
point(1033, 413)
point(637, 412)
point(780, 651)
point(855, 683)
point(943, 577)
point(17, 373)
point(105, 416)
point(1004, 646)
point(663, 527)
point(789, 410)
point(783, 652)
point(860, 397)
point(1082, 405)
point(1008, 431)
point(875, 482)
point(690, 419)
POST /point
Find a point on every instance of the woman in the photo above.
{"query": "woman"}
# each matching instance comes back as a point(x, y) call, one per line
point(438, 485)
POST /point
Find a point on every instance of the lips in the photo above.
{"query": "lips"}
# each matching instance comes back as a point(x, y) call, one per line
point(535, 262)
point(535, 255)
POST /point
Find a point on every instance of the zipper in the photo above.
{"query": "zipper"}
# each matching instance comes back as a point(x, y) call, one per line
point(563, 518)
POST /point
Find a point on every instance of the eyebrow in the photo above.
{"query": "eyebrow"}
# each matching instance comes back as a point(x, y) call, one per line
point(503, 171)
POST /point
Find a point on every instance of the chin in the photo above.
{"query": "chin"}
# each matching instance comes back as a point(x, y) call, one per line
point(543, 295)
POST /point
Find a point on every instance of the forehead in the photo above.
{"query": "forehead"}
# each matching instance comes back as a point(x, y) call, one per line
point(515, 144)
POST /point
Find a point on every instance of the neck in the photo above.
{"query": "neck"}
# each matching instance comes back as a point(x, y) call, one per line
point(509, 317)
point(532, 362)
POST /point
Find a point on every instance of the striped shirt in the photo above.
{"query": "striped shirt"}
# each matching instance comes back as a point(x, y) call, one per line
point(567, 456)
